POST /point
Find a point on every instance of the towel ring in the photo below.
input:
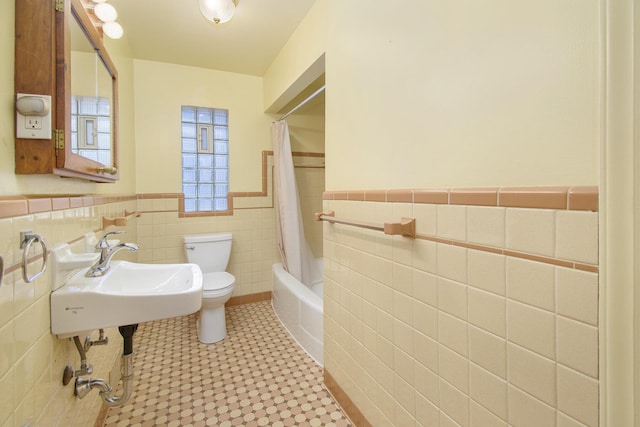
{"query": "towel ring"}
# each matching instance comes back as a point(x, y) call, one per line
point(27, 239)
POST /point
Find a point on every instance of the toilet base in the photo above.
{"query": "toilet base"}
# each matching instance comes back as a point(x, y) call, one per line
point(211, 326)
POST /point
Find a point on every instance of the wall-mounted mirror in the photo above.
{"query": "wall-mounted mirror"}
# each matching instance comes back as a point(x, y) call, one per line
point(89, 96)
point(91, 101)
point(63, 57)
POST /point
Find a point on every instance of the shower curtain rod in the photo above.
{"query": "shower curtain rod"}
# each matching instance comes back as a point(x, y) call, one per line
point(309, 98)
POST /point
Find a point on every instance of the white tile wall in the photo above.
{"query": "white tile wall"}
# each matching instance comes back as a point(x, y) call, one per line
point(253, 251)
point(577, 295)
point(487, 311)
point(452, 222)
point(488, 351)
point(531, 283)
point(532, 373)
point(532, 328)
point(527, 411)
point(574, 237)
point(574, 389)
point(487, 271)
point(578, 346)
point(310, 183)
point(486, 225)
point(531, 231)
point(493, 340)
point(488, 390)
point(31, 359)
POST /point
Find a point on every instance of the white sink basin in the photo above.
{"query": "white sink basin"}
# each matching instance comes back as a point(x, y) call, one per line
point(126, 294)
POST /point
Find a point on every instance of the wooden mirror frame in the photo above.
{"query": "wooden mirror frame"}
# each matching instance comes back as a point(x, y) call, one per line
point(43, 67)
point(71, 164)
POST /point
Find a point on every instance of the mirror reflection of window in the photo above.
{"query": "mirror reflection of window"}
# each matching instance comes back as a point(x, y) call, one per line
point(91, 128)
point(91, 93)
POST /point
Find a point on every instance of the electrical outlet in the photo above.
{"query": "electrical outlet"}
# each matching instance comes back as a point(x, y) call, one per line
point(33, 122)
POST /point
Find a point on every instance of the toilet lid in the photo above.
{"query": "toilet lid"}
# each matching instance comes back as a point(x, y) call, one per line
point(218, 280)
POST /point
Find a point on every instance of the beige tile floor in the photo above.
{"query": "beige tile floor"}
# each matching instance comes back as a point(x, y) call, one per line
point(256, 376)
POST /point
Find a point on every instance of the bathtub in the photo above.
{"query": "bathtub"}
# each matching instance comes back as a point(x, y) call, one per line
point(299, 309)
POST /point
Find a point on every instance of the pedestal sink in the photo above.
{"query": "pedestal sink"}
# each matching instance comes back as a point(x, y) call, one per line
point(128, 293)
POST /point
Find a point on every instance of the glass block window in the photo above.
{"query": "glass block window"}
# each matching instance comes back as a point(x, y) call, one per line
point(205, 158)
point(91, 128)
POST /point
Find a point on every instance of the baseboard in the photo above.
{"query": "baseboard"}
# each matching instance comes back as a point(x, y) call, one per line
point(102, 416)
point(248, 299)
point(345, 402)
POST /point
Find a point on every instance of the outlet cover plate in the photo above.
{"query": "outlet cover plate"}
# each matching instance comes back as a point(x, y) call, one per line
point(33, 127)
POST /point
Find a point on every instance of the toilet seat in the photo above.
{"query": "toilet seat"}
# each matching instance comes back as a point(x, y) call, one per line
point(216, 281)
point(216, 284)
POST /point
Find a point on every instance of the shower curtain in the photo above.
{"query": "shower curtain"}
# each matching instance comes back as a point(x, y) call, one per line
point(297, 257)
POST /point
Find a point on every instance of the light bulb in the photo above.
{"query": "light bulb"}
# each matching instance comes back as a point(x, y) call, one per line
point(218, 11)
point(105, 12)
point(112, 30)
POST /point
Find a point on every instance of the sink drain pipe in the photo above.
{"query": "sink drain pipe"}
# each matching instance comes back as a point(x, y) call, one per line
point(84, 385)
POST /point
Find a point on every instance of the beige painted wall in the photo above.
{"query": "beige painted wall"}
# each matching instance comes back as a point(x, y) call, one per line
point(83, 84)
point(123, 58)
point(462, 93)
point(306, 127)
point(299, 62)
point(160, 91)
point(8, 183)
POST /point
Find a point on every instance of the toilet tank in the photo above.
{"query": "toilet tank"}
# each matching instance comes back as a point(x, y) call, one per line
point(209, 251)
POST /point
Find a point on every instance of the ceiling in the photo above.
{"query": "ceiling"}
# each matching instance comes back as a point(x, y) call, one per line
point(174, 31)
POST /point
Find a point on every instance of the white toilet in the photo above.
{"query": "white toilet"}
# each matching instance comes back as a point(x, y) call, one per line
point(211, 253)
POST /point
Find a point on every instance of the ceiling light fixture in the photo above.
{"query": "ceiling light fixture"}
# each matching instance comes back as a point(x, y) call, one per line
point(112, 30)
point(107, 16)
point(218, 11)
point(105, 12)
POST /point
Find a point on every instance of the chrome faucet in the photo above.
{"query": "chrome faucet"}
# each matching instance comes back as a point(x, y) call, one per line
point(106, 253)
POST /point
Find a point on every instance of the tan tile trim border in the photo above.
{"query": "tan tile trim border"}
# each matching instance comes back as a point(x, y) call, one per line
point(437, 196)
point(13, 206)
point(400, 196)
point(350, 409)
point(565, 198)
point(474, 196)
point(15, 267)
point(37, 258)
point(231, 195)
point(507, 252)
point(516, 254)
point(21, 205)
point(248, 299)
point(559, 198)
point(583, 198)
